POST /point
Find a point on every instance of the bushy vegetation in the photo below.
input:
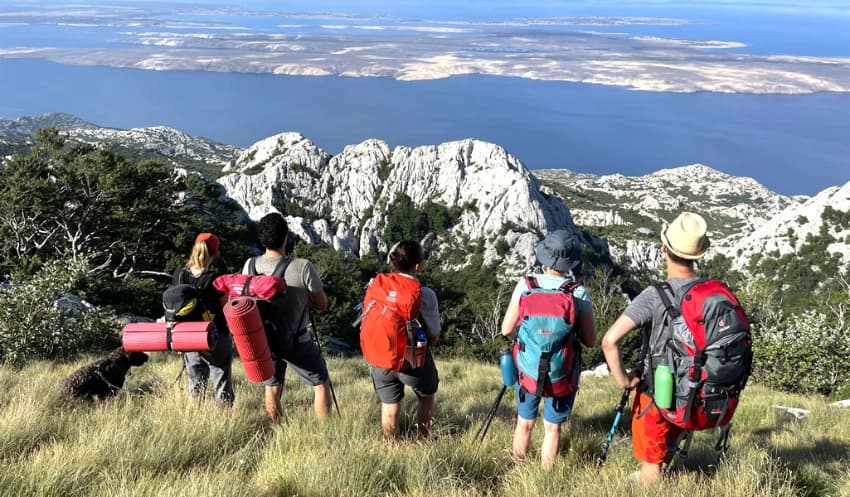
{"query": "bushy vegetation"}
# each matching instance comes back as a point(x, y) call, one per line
point(40, 319)
point(154, 440)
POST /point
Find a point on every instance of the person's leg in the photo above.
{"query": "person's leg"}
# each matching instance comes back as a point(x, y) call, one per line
point(308, 364)
point(424, 381)
point(424, 413)
point(556, 410)
point(390, 391)
point(549, 446)
point(522, 438)
point(321, 400)
point(274, 391)
point(221, 372)
point(198, 373)
point(527, 409)
point(653, 438)
point(389, 420)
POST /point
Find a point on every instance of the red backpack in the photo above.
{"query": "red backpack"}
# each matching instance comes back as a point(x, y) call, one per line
point(708, 347)
point(387, 322)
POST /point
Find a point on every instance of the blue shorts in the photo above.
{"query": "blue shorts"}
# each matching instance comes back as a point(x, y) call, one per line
point(556, 410)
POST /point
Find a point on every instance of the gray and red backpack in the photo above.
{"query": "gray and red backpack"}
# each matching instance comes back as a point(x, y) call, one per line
point(706, 342)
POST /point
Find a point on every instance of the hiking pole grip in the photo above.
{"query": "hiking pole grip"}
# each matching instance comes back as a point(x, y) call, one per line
point(624, 399)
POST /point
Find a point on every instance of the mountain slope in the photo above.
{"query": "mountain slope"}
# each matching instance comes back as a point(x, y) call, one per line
point(630, 210)
point(162, 141)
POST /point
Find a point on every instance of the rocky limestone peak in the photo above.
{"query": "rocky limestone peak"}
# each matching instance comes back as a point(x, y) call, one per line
point(499, 198)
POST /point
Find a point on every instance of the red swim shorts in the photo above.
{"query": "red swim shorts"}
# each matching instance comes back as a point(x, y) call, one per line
point(653, 437)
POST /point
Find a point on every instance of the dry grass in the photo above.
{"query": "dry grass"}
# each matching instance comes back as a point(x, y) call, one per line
point(152, 440)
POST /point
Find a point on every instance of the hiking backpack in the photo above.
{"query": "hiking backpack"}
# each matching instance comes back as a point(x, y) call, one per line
point(388, 322)
point(707, 345)
point(546, 349)
point(184, 301)
point(276, 321)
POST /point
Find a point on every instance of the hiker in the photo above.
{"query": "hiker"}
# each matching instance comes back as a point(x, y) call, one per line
point(386, 337)
point(199, 271)
point(653, 437)
point(558, 254)
point(304, 292)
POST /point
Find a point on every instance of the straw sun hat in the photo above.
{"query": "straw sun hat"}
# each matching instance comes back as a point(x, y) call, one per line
point(686, 236)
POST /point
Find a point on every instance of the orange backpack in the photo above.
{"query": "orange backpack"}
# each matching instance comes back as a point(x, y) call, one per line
point(387, 322)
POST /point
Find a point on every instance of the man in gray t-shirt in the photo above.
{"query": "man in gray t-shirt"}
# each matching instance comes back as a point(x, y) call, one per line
point(653, 437)
point(303, 292)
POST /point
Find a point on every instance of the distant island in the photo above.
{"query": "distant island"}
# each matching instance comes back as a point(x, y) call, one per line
point(174, 37)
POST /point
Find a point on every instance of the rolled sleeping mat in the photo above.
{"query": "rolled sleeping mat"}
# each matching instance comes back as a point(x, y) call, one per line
point(145, 337)
point(246, 327)
point(194, 336)
point(190, 336)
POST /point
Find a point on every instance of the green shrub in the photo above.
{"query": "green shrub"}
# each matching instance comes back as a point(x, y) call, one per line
point(40, 320)
point(805, 354)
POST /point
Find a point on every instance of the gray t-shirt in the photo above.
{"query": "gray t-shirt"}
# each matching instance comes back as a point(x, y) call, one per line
point(301, 280)
point(647, 308)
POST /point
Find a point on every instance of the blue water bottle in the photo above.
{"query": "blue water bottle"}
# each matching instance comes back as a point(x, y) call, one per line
point(508, 367)
point(421, 338)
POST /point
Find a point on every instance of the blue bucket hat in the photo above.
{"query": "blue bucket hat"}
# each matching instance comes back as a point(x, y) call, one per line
point(560, 250)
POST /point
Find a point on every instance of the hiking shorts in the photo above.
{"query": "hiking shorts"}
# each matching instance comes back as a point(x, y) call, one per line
point(389, 385)
point(556, 410)
point(305, 359)
point(653, 437)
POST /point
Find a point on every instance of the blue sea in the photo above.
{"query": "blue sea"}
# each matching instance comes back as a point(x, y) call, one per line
point(791, 144)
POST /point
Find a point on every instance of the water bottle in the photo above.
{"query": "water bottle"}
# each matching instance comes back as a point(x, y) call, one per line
point(508, 367)
point(421, 338)
point(663, 387)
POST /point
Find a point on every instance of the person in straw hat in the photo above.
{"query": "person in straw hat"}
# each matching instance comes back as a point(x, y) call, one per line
point(653, 438)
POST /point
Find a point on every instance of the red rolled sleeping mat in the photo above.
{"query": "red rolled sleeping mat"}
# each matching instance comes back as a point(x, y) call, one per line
point(145, 337)
point(194, 336)
point(246, 326)
point(189, 336)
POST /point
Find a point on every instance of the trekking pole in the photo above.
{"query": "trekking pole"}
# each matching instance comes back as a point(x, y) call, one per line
point(509, 379)
point(322, 355)
point(610, 438)
point(482, 431)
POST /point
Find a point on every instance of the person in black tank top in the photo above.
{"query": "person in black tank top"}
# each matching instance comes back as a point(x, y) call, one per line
point(200, 272)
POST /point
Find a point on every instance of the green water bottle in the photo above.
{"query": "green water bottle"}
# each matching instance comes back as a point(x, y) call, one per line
point(663, 386)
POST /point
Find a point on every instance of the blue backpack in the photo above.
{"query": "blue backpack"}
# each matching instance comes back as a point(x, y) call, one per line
point(546, 349)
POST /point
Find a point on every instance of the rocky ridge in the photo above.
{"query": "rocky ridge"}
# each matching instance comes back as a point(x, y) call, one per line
point(630, 210)
point(166, 142)
point(348, 195)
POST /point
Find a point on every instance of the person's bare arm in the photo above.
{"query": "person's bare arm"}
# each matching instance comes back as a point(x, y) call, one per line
point(587, 329)
point(610, 347)
point(509, 321)
point(318, 300)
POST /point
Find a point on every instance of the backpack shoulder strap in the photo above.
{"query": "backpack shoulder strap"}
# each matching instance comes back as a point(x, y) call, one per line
point(280, 267)
point(179, 276)
point(568, 286)
point(252, 266)
point(663, 289)
point(531, 282)
point(204, 280)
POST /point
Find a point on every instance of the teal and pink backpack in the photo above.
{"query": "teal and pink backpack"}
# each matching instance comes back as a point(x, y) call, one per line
point(546, 350)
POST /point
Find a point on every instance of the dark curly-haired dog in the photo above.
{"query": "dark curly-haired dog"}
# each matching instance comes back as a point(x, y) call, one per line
point(102, 378)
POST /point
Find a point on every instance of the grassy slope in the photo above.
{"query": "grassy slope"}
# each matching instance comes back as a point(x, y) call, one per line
point(160, 443)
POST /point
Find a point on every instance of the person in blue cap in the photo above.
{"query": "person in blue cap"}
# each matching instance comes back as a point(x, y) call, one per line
point(529, 319)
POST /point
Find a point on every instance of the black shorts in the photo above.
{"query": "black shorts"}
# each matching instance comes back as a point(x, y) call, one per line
point(305, 359)
point(389, 385)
